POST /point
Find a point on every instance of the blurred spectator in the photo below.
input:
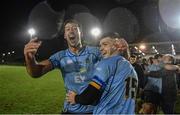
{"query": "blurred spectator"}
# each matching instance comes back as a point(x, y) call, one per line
point(169, 84)
point(153, 86)
point(140, 73)
point(144, 64)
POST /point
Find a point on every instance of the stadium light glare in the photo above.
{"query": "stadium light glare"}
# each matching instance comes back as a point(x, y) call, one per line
point(142, 47)
point(136, 48)
point(153, 47)
point(96, 32)
point(156, 50)
point(31, 31)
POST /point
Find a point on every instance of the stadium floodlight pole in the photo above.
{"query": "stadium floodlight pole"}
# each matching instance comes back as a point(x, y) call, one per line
point(173, 49)
point(31, 31)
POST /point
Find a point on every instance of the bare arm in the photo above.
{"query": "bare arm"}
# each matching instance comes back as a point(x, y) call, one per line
point(171, 67)
point(160, 73)
point(34, 68)
point(156, 74)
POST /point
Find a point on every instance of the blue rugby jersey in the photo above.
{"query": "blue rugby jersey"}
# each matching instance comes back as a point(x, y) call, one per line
point(118, 80)
point(77, 72)
point(154, 84)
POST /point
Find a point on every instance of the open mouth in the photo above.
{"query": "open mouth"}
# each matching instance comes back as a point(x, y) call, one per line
point(72, 36)
point(72, 39)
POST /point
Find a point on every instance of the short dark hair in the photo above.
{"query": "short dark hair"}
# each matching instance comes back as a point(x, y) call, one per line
point(133, 56)
point(151, 60)
point(72, 21)
point(158, 56)
point(114, 35)
point(111, 35)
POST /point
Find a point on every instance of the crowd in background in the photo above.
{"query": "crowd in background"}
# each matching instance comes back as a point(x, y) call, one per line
point(159, 83)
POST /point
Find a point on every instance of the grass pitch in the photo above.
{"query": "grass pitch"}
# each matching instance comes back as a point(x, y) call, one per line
point(19, 93)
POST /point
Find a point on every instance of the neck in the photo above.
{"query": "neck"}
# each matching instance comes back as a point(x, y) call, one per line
point(115, 53)
point(76, 49)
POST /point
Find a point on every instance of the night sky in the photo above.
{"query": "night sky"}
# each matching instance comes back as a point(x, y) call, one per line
point(15, 19)
point(15, 14)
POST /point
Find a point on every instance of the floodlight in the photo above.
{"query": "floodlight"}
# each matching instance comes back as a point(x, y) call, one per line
point(31, 31)
point(96, 31)
point(142, 47)
point(153, 47)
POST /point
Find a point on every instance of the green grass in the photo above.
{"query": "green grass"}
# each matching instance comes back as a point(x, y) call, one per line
point(178, 105)
point(19, 93)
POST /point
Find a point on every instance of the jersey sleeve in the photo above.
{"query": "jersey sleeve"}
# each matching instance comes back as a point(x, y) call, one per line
point(96, 52)
point(100, 76)
point(55, 59)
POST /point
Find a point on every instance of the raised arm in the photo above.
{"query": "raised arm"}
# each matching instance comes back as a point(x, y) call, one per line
point(156, 74)
point(172, 67)
point(160, 73)
point(34, 68)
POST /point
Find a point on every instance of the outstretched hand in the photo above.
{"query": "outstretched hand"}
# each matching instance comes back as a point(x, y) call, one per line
point(31, 48)
point(70, 97)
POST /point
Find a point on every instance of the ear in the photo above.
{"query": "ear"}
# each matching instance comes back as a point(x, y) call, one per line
point(121, 44)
